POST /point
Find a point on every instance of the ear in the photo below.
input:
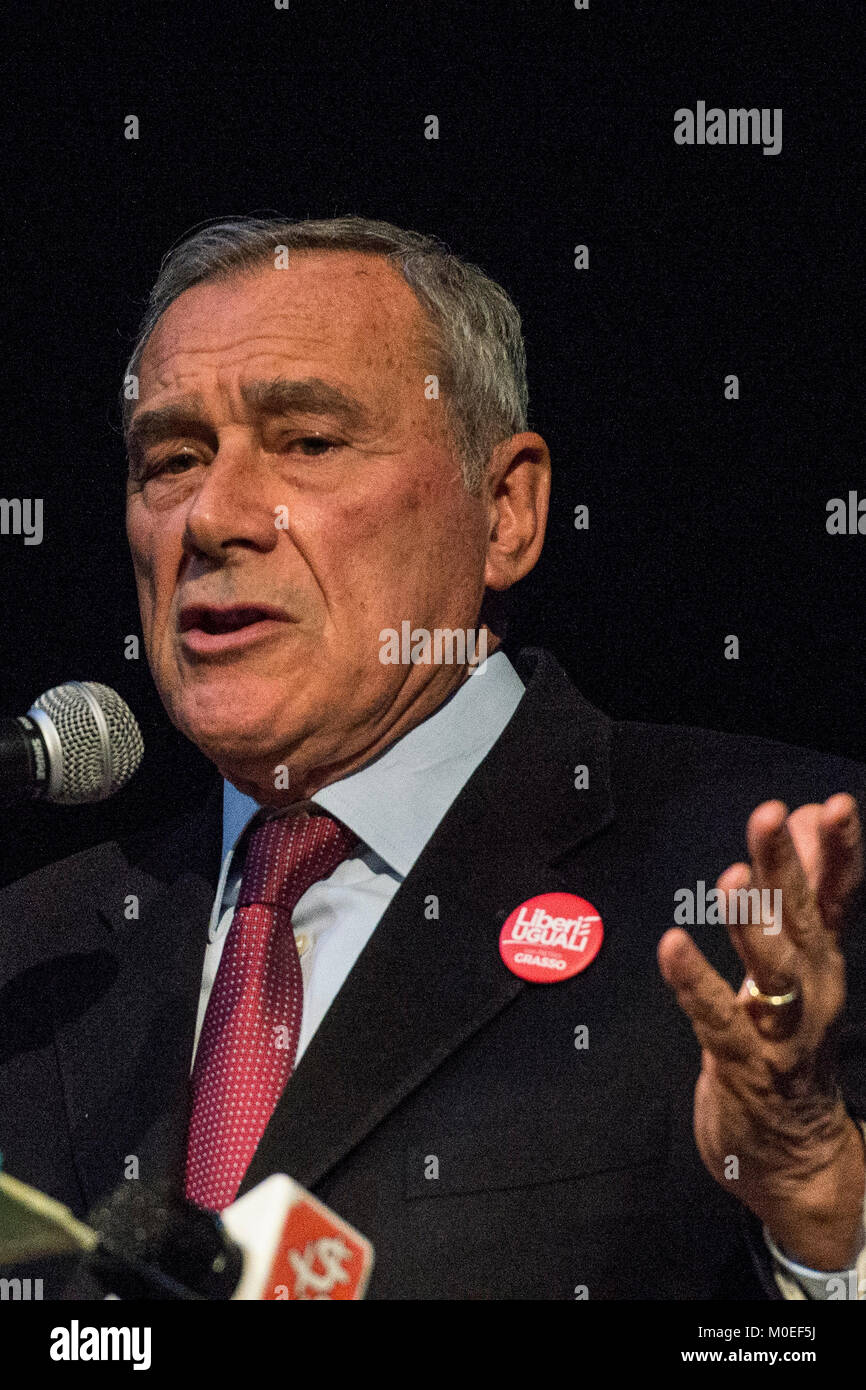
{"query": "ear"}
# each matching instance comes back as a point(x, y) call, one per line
point(518, 495)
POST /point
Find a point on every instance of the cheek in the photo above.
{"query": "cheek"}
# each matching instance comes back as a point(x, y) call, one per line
point(352, 545)
point(149, 563)
point(398, 551)
point(392, 525)
point(390, 547)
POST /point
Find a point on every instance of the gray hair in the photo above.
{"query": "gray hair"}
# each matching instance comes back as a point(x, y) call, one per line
point(476, 339)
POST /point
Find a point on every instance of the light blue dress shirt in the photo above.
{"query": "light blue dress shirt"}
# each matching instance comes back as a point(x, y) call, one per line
point(393, 805)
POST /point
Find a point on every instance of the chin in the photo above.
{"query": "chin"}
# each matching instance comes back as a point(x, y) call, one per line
point(238, 728)
point(251, 738)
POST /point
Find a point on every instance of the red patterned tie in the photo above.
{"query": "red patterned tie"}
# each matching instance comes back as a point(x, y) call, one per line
point(251, 1028)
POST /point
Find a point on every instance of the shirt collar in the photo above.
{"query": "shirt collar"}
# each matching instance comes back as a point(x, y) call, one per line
point(394, 803)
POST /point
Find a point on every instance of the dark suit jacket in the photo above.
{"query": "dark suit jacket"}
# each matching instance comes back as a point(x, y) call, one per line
point(558, 1167)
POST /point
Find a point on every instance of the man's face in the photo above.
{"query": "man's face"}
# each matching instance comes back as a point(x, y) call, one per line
point(292, 492)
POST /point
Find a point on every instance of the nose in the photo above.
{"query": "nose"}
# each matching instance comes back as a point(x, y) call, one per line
point(230, 508)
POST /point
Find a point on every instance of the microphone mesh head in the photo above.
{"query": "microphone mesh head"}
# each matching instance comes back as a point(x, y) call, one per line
point(98, 756)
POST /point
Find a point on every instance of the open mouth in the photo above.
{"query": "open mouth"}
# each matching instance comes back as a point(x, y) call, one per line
point(206, 628)
point(215, 620)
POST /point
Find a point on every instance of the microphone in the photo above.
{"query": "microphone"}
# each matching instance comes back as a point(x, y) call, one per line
point(295, 1248)
point(276, 1243)
point(152, 1244)
point(78, 742)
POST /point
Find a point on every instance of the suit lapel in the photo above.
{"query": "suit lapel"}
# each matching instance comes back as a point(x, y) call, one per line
point(125, 1060)
point(422, 985)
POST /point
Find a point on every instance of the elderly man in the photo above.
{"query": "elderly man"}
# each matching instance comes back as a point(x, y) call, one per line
point(422, 976)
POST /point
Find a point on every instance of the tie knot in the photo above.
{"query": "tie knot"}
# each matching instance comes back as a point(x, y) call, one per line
point(287, 854)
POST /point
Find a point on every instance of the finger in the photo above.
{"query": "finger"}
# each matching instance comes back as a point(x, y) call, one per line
point(776, 867)
point(828, 839)
point(803, 826)
point(721, 1025)
point(767, 953)
point(841, 861)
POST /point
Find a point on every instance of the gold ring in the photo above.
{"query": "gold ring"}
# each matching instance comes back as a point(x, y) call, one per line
point(775, 1001)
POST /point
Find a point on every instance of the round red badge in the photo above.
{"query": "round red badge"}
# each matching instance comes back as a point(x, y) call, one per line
point(551, 937)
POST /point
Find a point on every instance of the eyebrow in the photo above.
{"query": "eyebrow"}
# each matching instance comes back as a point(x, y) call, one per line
point(276, 396)
point(152, 426)
point(309, 396)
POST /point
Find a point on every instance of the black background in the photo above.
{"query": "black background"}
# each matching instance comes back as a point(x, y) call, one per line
point(707, 516)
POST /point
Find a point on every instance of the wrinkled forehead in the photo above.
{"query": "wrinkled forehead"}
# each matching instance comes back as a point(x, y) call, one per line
point(352, 313)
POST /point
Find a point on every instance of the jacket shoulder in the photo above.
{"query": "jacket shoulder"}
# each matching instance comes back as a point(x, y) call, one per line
point(682, 754)
point(29, 905)
point(45, 912)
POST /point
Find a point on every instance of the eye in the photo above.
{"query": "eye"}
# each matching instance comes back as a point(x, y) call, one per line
point(173, 463)
point(314, 445)
point(177, 462)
